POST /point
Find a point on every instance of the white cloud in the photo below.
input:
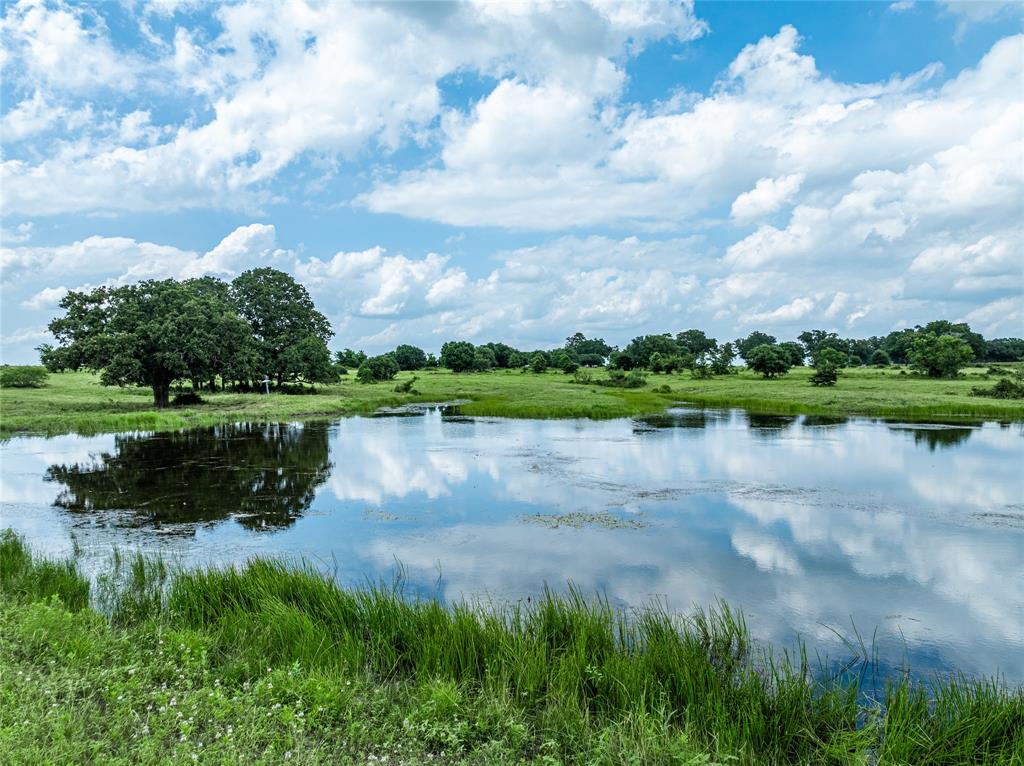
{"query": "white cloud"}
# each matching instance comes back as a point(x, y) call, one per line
point(767, 196)
point(48, 297)
point(796, 309)
point(369, 77)
point(772, 127)
point(65, 48)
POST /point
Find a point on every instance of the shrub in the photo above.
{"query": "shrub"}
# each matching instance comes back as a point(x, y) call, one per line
point(1003, 389)
point(939, 356)
point(826, 375)
point(458, 355)
point(582, 377)
point(662, 389)
point(405, 387)
point(769, 360)
point(621, 379)
point(186, 399)
point(880, 358)
point(538, 363)
point(24, 376)
point(377, 368)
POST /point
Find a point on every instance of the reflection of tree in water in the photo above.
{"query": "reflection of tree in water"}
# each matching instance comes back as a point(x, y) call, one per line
point(768, 426)
point(265, 475)
point(940, 437)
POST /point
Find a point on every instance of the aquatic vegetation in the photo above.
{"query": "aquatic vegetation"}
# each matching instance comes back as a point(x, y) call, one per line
point(578, 520)
point(278, 662)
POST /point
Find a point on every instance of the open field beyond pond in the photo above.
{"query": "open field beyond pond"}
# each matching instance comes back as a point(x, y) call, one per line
point(76, 402)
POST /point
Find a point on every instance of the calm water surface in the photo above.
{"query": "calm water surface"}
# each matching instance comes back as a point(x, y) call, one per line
point(816, 528)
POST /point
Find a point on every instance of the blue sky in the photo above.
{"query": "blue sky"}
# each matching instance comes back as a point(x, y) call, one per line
point(519, 172)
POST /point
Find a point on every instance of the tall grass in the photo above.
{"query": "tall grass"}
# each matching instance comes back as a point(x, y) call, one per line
point(569, 664)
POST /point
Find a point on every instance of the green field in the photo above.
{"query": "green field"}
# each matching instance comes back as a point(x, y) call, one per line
point(272, 663)
point(76, 402)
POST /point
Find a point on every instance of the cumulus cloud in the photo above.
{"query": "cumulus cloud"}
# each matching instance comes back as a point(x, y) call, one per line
point(371, 76)
point(767, 196)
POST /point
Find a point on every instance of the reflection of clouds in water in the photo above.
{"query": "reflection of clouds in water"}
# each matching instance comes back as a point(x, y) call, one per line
point(981, 571)
point(768, 553)
point(801, 525)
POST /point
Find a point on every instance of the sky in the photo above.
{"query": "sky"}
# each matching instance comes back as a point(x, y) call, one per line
point(519, 172)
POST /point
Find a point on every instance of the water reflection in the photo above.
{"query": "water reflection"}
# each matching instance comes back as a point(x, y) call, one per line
point(807, 524)
point(937, 437)
point(264, 476)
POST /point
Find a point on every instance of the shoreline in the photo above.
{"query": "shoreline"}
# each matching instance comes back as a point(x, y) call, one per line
point(76, 403)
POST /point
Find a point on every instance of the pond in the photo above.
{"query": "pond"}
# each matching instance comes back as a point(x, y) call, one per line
point(909, 537)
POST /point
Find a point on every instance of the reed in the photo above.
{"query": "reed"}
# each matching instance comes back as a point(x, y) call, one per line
point(563, 677)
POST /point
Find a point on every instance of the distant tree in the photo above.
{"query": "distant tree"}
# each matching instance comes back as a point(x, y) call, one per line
point(746, 346)
point(502, 354)
point(696, 341)
point(432, 362)
point(579, 344)
point(1004, 350)
point(622, 360)
point(939, 356)
point(880, 359)
point(794, 353)
point(960, 330)
point(377, 368)
point(539, 362)
point(703, 365)
point(517, 360)
point(769, 360)
point(349, 358)
point(457, 355)
point(410, 357)
point(309, 360)
point(591, 360)
point(814, 340)
point(483, 359)
point(641, 348)
point(281, 315)
point(897, 345)
point(828, 356)
point(722, 361)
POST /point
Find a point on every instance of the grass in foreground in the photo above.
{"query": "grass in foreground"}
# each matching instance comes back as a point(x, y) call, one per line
point(76, 402)
point(272, 664)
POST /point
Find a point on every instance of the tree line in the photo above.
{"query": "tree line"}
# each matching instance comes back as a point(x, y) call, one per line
point(937, 349)
point(264, 325)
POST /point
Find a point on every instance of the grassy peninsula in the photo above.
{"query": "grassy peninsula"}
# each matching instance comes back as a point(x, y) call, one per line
point(271, 664)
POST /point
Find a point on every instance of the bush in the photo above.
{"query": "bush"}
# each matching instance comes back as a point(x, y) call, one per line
point(405, 387)
point(186, 399)
point(880, 359)
point(769, 360)
point(1004, 389)
point(621, 379)
point(458, 355)
point(583, 377)
point(825, 375)
point(939, 356)
point(662, 389)
point(538, 363)
point(377, 368)
point(25, 376)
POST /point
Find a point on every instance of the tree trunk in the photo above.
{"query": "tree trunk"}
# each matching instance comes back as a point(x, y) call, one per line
point(161, 395)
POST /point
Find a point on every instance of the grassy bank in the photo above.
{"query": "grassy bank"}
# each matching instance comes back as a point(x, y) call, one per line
point(76, 402)
point(267, 664)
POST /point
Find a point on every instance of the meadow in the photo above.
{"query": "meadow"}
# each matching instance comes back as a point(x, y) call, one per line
point(272, 663)
point(76, 402)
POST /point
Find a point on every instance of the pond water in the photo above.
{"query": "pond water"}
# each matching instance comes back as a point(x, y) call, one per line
point(911, 536)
